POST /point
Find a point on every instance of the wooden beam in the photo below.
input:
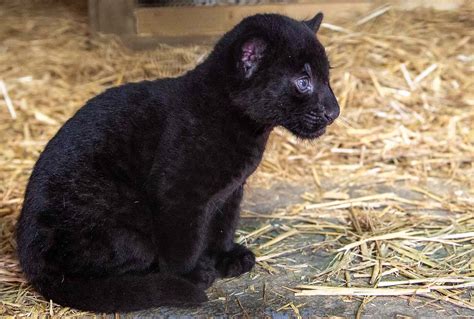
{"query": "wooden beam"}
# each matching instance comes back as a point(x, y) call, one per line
point(432, 4)
point(213, 21)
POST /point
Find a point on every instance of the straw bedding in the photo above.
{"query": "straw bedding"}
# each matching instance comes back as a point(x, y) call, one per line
point(390, 186)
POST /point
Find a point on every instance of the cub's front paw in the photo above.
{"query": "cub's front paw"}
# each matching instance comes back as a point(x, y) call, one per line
point(235, 262)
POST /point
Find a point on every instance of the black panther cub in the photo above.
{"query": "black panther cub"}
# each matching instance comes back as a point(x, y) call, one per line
point(134, 203)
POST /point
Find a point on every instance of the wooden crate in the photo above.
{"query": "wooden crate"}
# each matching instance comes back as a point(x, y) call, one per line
point(142, 27)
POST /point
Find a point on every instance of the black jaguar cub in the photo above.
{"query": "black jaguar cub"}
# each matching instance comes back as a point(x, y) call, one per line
point(135, 201)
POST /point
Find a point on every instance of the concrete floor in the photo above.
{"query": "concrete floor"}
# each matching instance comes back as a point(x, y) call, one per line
point(244, 296)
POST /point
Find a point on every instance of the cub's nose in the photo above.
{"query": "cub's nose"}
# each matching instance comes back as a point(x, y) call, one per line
point(331, 107)
point(331, 114)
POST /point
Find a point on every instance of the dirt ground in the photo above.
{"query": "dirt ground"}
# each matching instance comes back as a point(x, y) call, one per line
point(375, 219)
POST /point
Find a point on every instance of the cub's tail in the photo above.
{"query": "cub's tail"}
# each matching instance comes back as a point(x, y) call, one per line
point(125, 293)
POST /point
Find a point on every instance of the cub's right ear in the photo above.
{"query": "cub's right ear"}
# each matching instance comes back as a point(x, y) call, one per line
point(315, 22)
point(251, 55)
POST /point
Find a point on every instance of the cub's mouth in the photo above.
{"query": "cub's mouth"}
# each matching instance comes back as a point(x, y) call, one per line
point(310, 125)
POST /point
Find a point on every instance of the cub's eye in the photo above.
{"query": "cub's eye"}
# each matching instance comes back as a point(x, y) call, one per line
point(303, 84)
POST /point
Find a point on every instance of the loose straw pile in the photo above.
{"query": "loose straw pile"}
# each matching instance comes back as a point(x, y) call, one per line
point(389, 188)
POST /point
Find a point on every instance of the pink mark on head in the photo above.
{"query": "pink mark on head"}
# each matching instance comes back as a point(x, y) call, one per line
point(252, 50)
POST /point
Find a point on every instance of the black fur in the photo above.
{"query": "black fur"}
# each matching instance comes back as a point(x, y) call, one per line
point(135, 201)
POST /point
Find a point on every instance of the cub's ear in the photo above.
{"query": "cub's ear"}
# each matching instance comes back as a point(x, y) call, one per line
point(251, 54)
point(315, 22)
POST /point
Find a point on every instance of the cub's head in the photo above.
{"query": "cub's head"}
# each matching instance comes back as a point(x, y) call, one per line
point(281, 74)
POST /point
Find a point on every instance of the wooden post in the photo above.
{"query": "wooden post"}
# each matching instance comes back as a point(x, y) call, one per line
point(112, 16)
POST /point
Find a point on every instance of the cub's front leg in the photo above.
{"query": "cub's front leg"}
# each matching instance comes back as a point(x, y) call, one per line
point(232, 259)
point(181, 238)
point(223, 257)
point(205, 273)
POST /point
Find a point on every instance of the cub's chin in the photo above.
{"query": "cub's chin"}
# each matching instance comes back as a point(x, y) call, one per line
point(307, 134)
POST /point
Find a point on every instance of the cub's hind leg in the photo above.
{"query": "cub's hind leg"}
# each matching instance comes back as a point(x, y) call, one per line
point(81, 245)
point(98, 253)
